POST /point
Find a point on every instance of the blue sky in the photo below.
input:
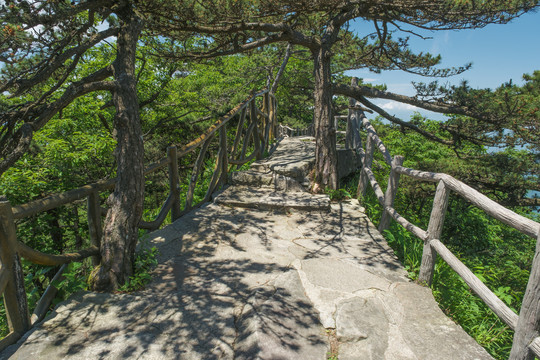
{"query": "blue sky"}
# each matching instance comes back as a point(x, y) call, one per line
point(498, 53)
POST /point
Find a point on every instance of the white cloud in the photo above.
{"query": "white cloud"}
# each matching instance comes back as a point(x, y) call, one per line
point(393, 105)
point(401, 88)
point(368, 80)
point(440, 42)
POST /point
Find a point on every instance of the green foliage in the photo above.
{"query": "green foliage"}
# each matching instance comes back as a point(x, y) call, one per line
point(511, 113)
point(145, 261)
point(499, 255)
point(338, 195)
point(74, 280)
point(408, 249)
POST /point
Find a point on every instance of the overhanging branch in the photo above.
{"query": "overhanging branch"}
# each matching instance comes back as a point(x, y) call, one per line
point(439, 107)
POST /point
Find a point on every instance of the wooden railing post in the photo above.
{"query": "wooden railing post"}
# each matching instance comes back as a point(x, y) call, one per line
point(225, 155)
point(366, 163)
point(390, 195)
point(256, 136)
point(436, 221)
point(239, 130)
point(173, 182)
point(273, 118)
point(14, 294)
point(197, 169)
point(94, 223)
point(528, 326)
point(352, 135)
point(266, 121)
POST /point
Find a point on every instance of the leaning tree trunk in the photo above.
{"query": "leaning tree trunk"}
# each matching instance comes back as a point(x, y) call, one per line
point(120, 233)
point(325, 133)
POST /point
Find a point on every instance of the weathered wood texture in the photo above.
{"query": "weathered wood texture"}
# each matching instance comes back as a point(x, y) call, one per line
point(48, 296)
point(195, 173)
point(14, 291)
point(354, 119)
point(156, 223)
point(37, 257)
point(391, 191)
point(172, 156)
point(377, 141)
point(375, 185)
point(367, 161)
point(418, 232)
point(256, 133)
point(239, 132)
point(224, 163)
point(94, 222)
point(535, 346)
point(4, 278)
point(490, 299)
point(499, 212)
point(528, 326)
point(435, 226)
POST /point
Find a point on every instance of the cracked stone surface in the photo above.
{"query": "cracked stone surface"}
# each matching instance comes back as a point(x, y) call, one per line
point(268, 199)
point(294, 158)
point(269, 280)
point(238, 283)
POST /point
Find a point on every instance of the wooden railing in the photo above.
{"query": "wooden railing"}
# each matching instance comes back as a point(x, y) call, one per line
point(255, 130)
point(527, 323)
point(287, 131)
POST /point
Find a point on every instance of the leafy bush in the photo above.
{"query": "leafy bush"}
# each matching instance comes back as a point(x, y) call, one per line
point(145, 261)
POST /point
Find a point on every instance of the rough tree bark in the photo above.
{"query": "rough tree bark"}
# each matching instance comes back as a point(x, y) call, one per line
point(325, 133)
point(120, 232)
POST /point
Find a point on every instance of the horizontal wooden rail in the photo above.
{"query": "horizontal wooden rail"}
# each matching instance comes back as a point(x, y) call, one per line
point(53, 201)
point(535, 346)
point(37, 257)
point(499, 212)
point(509, 317)
point(418, 232)
point(56, 200)
point(259, 133)
point(526, 324)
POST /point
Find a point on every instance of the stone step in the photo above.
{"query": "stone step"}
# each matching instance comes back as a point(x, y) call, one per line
point(293, 158)
point(265, 179)
point(268, 199)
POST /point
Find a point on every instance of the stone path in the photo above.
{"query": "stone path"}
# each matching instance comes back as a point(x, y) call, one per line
point(260, 283)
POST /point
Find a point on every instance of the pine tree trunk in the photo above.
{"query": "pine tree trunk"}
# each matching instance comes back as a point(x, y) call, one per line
point(325, 133)
point(120, 233)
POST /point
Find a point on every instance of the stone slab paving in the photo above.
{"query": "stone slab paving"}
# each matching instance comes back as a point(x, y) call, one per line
point(268, 199)
point(237, 283)
point(294, 158)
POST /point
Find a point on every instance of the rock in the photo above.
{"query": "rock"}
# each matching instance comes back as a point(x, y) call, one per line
point(362, 328)
point(429, 333)
point(268, 199)
point(278, 322)
point(348, 162)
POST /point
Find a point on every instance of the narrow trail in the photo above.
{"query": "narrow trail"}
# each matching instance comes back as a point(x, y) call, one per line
point(266, 271)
